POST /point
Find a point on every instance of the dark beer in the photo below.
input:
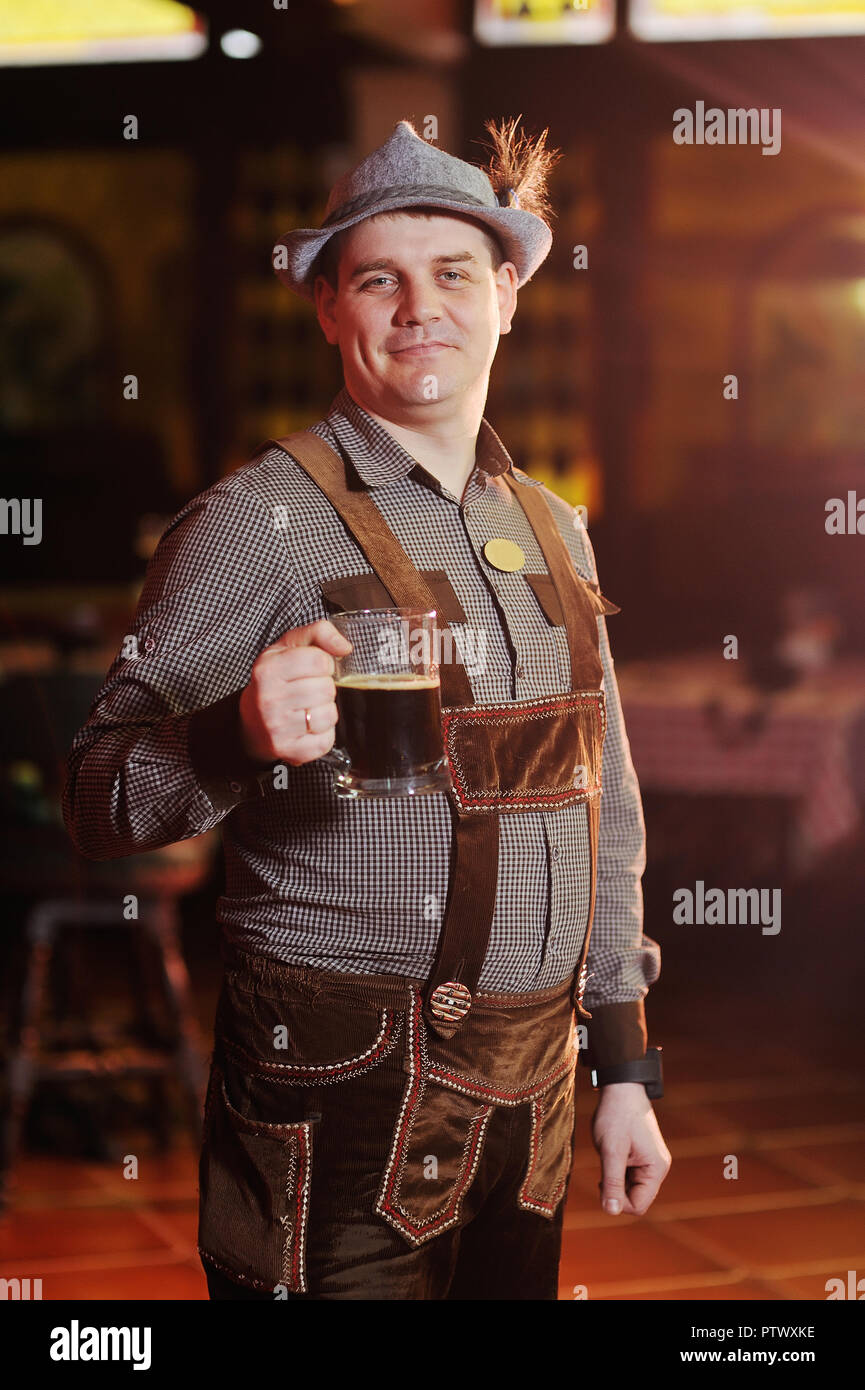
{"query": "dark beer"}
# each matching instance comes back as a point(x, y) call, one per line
point(390, 725)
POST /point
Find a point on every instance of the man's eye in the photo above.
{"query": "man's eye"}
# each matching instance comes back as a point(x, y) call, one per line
point(457, 273)
point(377, 280)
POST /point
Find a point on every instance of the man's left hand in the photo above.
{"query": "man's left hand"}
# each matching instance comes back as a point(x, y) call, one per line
point(634, 1158)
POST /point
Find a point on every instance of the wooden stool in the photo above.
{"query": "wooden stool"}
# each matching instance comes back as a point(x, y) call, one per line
point(102, 900)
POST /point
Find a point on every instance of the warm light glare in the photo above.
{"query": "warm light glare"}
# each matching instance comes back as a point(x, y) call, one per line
point(240, 43)
point(502, 22)
point(744, 19)
point(98, 31)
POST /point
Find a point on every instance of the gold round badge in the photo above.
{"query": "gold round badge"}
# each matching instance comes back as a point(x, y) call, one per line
point(504, 554)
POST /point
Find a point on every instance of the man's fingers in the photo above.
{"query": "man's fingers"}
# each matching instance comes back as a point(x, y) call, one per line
point(304, 692)
point(643, 1188)
point(614, 1163)
point(319, 634)
point(636, 1195)
point(628, 1189)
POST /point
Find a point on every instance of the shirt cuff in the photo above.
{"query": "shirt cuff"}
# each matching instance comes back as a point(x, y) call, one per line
point(222, 766)
point(616, 1033)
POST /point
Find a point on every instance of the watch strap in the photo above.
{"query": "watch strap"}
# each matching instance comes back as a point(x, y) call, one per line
point(648, 1071)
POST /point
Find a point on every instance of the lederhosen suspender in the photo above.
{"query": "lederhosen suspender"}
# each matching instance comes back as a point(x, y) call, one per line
point(488, 745)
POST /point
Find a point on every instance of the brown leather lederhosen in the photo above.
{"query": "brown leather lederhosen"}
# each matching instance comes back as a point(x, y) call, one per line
point(514, 756)
point(465, 1053)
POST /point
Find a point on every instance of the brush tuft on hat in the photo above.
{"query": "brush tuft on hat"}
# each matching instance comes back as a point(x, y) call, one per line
point(519, 167)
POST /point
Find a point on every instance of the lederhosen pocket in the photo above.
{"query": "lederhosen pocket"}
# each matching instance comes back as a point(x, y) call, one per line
point(272, 1054)
point(254, 1187)
point(550, 1148)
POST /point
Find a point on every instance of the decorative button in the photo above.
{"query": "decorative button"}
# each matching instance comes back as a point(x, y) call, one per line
point(504, 554)
point(235, 786)
point(451, 1001)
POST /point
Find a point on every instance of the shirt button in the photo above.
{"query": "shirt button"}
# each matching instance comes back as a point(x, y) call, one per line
point(235, 786)
point(149, 643)
point(520, 672)
point(557, 853)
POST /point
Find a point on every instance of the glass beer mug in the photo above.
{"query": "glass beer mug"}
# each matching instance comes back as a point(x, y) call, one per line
point(388, 739)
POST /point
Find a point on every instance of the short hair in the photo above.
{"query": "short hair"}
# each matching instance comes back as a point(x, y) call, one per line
point(327, 262)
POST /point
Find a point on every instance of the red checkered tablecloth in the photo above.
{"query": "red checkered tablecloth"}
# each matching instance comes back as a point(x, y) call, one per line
point(696, 725)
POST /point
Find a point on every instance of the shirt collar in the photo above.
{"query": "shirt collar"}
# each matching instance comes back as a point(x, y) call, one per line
point(379, 458)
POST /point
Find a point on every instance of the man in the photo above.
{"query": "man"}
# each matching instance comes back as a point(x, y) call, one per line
point(391, 1103)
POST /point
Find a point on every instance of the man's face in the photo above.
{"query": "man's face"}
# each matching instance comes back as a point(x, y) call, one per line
point(418, 313)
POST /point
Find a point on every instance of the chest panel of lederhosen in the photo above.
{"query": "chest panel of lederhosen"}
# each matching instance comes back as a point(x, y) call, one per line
point(540, 752)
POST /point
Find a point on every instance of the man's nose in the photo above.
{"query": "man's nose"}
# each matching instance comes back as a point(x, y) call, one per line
point(417, 304)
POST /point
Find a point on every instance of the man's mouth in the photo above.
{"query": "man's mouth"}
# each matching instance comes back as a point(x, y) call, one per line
point(420, 349)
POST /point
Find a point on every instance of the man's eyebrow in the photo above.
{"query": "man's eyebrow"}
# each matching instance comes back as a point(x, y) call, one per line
point(385, 263)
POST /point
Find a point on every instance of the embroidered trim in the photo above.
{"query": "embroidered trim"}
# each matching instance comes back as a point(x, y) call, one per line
point(497, 713)
point(245, 1279)
point(298, 1141)
point(323, 1074)
point(297, 1188)
point(387, 1203)
point(482, 1090)
point(545, 1206)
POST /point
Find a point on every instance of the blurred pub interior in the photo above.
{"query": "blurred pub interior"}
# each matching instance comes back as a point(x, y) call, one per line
point(150, 258)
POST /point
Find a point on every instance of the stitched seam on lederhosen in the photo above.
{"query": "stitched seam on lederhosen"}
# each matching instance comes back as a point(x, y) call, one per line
point(468, 1167)
point(411, 1098)
point(289, 1221)
point(411, 1102)
point(247, 1279)
point(536, 1144)
point(471, 1085)
point(305, 1074)
point(296, 1243)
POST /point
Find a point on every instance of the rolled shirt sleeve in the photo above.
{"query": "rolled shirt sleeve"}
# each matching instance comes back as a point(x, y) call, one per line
point(160, 758)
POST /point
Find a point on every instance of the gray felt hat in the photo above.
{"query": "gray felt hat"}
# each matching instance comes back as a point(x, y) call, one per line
point(406, 171)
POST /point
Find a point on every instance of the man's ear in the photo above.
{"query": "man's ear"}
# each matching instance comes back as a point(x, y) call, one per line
point(325, 298)
point(506, 289)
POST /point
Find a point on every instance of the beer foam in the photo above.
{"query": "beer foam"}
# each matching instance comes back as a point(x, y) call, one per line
point(360, 680)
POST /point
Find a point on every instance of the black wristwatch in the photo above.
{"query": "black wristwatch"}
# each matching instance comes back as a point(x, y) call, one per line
point(648, 1070)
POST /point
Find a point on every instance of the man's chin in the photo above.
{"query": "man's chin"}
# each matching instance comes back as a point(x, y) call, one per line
point(421, 387)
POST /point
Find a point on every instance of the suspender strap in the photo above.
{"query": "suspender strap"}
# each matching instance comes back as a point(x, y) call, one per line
point(586, 669)
point(468, 916)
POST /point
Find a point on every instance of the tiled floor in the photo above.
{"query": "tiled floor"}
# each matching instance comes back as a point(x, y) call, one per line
point(793, 1218)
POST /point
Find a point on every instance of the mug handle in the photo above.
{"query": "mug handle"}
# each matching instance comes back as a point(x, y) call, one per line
point(338, 758)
